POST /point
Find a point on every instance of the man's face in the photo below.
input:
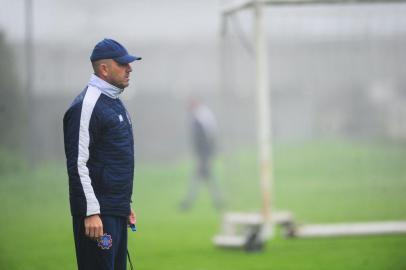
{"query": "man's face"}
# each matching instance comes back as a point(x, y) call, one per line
point(118, 74)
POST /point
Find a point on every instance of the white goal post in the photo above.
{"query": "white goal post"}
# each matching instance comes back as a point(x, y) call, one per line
point(264, 125)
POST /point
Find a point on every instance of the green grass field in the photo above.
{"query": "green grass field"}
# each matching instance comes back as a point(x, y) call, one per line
point(318, 182)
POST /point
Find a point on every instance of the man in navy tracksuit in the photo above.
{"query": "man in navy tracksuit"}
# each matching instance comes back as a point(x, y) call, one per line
point(99, 149)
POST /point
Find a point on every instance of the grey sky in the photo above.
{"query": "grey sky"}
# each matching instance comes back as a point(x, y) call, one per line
point(87, 21)
point(151, 19)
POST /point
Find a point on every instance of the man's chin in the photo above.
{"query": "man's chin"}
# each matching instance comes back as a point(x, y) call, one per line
point(124, 85)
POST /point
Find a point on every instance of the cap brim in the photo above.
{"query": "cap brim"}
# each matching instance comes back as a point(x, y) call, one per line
point(127, 59)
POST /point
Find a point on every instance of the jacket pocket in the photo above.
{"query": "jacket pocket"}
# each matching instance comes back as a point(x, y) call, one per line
point(116, 181)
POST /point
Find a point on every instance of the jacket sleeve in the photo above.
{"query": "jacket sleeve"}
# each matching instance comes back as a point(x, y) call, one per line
point(78, 138)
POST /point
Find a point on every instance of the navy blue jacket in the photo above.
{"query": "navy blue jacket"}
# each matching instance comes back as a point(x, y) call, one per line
point(99, 150)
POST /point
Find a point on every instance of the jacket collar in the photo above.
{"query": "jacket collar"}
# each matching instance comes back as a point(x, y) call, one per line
point(106, 88)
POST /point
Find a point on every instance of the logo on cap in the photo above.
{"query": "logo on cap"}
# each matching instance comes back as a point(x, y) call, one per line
point(105, 241)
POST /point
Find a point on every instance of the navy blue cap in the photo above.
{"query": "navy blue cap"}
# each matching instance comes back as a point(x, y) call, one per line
point(111, 49)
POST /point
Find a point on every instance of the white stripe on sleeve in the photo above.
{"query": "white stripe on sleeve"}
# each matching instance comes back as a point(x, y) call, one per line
point(89, 101)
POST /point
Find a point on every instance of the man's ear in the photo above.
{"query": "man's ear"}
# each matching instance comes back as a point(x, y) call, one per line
point(104, 69)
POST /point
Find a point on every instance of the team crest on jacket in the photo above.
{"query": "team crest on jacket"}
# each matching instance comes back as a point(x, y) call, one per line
point(105, 241)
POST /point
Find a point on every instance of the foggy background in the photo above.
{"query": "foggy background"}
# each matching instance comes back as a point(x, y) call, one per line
point(338, 112)
point(334, 70)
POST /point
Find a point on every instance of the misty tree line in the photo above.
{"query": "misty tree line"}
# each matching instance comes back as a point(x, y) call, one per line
point(11, 102)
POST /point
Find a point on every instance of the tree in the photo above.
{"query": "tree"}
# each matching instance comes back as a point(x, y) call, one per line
point(11, 115)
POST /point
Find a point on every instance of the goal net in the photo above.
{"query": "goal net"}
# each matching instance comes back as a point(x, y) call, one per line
point(338, 110)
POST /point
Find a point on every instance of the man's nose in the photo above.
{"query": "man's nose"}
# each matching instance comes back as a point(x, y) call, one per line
point(129, 69)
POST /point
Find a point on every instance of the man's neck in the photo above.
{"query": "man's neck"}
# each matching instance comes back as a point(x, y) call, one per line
point(105, 87)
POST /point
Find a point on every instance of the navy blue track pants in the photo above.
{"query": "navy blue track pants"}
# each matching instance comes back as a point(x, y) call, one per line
point(107, 255)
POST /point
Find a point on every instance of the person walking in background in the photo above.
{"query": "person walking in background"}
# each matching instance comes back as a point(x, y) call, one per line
point(99, 150)
point(204, 135)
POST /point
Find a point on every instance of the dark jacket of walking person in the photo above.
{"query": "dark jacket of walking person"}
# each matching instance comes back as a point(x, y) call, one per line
point(204, 141)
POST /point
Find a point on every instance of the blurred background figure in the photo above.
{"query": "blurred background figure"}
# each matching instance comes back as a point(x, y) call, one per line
point(204, 135)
